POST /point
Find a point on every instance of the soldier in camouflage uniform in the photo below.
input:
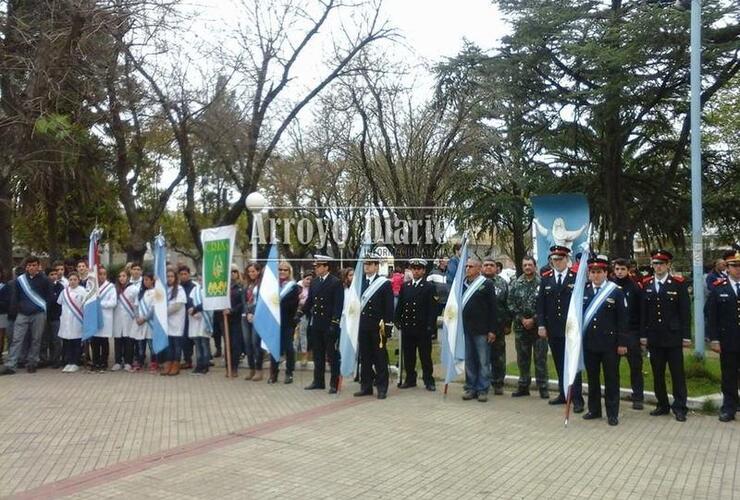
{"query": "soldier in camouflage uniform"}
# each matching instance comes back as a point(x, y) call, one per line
point(498, 348)
point(522, 302)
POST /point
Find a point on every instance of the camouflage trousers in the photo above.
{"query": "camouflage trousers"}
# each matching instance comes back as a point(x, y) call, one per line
point(498, 360)
point(528, 342)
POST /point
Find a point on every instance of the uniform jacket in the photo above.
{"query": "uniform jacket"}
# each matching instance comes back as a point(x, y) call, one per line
point(664, 315)
point(609, 326)
point(378, 307)
point(479, 314)
point(553, 302)
point(522, 299)
point(723, 311)
point(633, 294)
point(416, 311)
point(323, 306)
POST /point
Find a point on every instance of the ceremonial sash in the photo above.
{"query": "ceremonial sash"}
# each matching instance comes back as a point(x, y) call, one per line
point(30, 293)
point(145, 309)
point(127, 305)
point(107, 287)
point(472, 288)
point(596, 303)
point(285, 290)
point(71, 305)
point(372, 288)
point(198, 301)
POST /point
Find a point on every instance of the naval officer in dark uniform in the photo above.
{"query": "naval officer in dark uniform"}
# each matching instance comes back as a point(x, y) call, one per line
point(723, 310)
point(604, 338)
point(553, 300)
point(416, 316)
point(376, 326)
point(323, 308)
point(665, 329)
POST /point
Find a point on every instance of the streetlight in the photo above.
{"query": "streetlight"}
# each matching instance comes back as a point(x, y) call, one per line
point(255, 203)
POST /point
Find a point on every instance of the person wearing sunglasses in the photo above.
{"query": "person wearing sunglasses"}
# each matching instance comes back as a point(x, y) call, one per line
point(723, 326)
point(290, 292)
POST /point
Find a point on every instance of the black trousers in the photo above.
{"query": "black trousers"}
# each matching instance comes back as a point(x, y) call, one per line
point(557, 347)
point(324, 344)
point(235, 342)
point(730, 362)
point(634, 358)
point(288, 349)
point(594, 362)
point(417, 341)
point(100, 351)
point(673, 357)
point(72, 351)
point(373, 356)
point(123, 350)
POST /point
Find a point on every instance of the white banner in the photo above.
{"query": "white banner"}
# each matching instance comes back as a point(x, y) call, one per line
point(218, 251)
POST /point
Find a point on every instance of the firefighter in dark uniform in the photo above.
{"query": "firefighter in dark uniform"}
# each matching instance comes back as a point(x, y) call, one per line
point(604, 338)
point(323, 307)
point(416, 316)
point(376, 327)
point(553, 300)
point(723, 310)
point(633, 294)
point(665, 330)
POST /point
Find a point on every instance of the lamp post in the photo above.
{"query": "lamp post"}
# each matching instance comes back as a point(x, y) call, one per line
point(696, 196)
point(255, 203)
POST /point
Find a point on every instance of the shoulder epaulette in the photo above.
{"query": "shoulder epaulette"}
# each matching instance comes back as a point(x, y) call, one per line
point(679, 279)
point(719, 281)
point(547, 273)
point(647, 280)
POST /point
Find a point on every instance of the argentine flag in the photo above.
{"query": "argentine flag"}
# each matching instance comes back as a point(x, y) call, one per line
point(574, 326)
point(92, 319)
point(159, 317)
point(453, 336)
point(267, 310)
point(350, 322)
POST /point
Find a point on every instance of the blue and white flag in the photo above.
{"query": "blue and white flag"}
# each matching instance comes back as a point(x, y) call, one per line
point(92, 320)
point(453, 335)
point(267, 310)
point(574, 325)
point(350, 322)
point(158, 321)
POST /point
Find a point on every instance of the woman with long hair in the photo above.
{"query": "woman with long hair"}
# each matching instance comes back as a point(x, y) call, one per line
point(176, 301)
point(143, 334)
point(290, 292)
point(253, 342)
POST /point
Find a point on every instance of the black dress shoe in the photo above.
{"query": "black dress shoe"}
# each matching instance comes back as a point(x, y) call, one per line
point(591, 416)
point(726, 417)
point(544, 394)
point(359, 394)
point(578, 407)
point(557, 401)
point(659, 411)
point(6, 370)
point(381, 395)
point(637, 405)
point(430, 387)
point(680, 416)
point(288, 378)
point(332, 390)
point(613, 420)
point(314, 386)
point(406, 385)
point(520, 392)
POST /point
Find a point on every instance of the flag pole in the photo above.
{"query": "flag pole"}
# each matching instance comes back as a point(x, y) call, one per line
point(568, 400)
point(228, 344)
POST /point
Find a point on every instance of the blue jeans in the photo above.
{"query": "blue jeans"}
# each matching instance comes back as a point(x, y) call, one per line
point(253, 348)
point(477, 364)
point(175, 348)
point(202, 352)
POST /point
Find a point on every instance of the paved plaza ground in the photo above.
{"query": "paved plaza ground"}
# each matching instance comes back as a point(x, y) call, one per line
point(118, 435)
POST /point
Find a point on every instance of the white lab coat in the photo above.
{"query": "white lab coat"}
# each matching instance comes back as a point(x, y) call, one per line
point(197, 326)
point(70, 327)
point(108, 300)
point(176, 312)
point(123, 322)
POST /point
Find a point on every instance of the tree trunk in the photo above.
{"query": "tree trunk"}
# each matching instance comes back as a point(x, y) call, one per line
point(6, 222)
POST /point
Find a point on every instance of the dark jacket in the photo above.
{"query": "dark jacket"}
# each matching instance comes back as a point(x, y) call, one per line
point(609, 326)
point(53, 309)
point(416, 311)
point(633, 294)
point(378, 307)
point(237, 306)
point(553, 302)
point(723, 316)
point(288, 308)
point(40, 284)
point(323, 307)
point(6, 296)
point(665, 319)
point(479, 313)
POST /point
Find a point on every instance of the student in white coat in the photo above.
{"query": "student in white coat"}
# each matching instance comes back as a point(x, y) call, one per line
point(123, 321)
point(176, 300)
point(101, 340)
point(70, 323)
point(142, 334)
point(200, 329)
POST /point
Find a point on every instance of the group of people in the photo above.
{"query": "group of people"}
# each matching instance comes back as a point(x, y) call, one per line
point(622, 315)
